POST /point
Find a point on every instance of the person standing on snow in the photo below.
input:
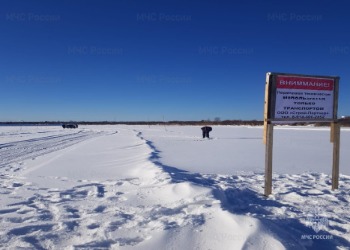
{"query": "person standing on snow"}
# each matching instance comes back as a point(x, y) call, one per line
point(205, 131)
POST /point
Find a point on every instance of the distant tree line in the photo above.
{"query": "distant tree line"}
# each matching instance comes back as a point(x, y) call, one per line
point(344, 121)
point(202, 122)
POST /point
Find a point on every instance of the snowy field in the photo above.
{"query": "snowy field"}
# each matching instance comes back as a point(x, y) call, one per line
point(157, 187)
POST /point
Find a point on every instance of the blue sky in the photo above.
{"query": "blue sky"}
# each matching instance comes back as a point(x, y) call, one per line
point(133, 60)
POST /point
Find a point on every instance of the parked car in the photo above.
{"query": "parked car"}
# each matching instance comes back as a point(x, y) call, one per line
point(70, 125)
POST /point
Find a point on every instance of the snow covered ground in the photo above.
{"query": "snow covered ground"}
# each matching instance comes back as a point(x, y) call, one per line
point(156, 187)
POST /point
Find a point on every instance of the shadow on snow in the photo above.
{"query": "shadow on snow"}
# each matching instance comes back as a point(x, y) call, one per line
point(245, 201)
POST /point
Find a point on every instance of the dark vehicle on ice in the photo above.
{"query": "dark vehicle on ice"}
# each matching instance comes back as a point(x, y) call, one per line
point(70, 126)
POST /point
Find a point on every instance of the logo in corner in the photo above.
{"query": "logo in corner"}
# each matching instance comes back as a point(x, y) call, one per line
point(316, 218)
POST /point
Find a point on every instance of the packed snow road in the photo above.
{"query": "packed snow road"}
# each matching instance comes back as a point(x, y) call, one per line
point(38, 145)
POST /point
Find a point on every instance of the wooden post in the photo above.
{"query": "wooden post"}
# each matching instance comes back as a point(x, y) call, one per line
point(335, 139)
point(266, 107)
point(268, 139)
point(268, 158)
point(332, 132)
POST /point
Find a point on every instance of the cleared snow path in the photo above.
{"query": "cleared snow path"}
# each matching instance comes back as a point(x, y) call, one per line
point(16, 151)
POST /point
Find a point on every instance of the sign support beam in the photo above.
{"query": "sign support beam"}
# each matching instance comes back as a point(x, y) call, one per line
point(335, 139)
point(268, 158)
point(266, 107)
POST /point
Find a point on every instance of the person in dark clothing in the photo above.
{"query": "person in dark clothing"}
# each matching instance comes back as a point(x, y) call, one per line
point(206, 130)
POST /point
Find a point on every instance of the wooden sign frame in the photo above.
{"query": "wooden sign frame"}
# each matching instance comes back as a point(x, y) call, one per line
point(300, 98)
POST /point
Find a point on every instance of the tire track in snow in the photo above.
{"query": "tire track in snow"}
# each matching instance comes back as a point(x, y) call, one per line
point(21, 150)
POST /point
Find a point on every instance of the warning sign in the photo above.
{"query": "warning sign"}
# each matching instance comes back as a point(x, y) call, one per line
point(304, 98)
point(301, 97)
point(294, 98)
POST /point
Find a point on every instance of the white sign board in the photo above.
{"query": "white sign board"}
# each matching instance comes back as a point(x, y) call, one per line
point(299, 98)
